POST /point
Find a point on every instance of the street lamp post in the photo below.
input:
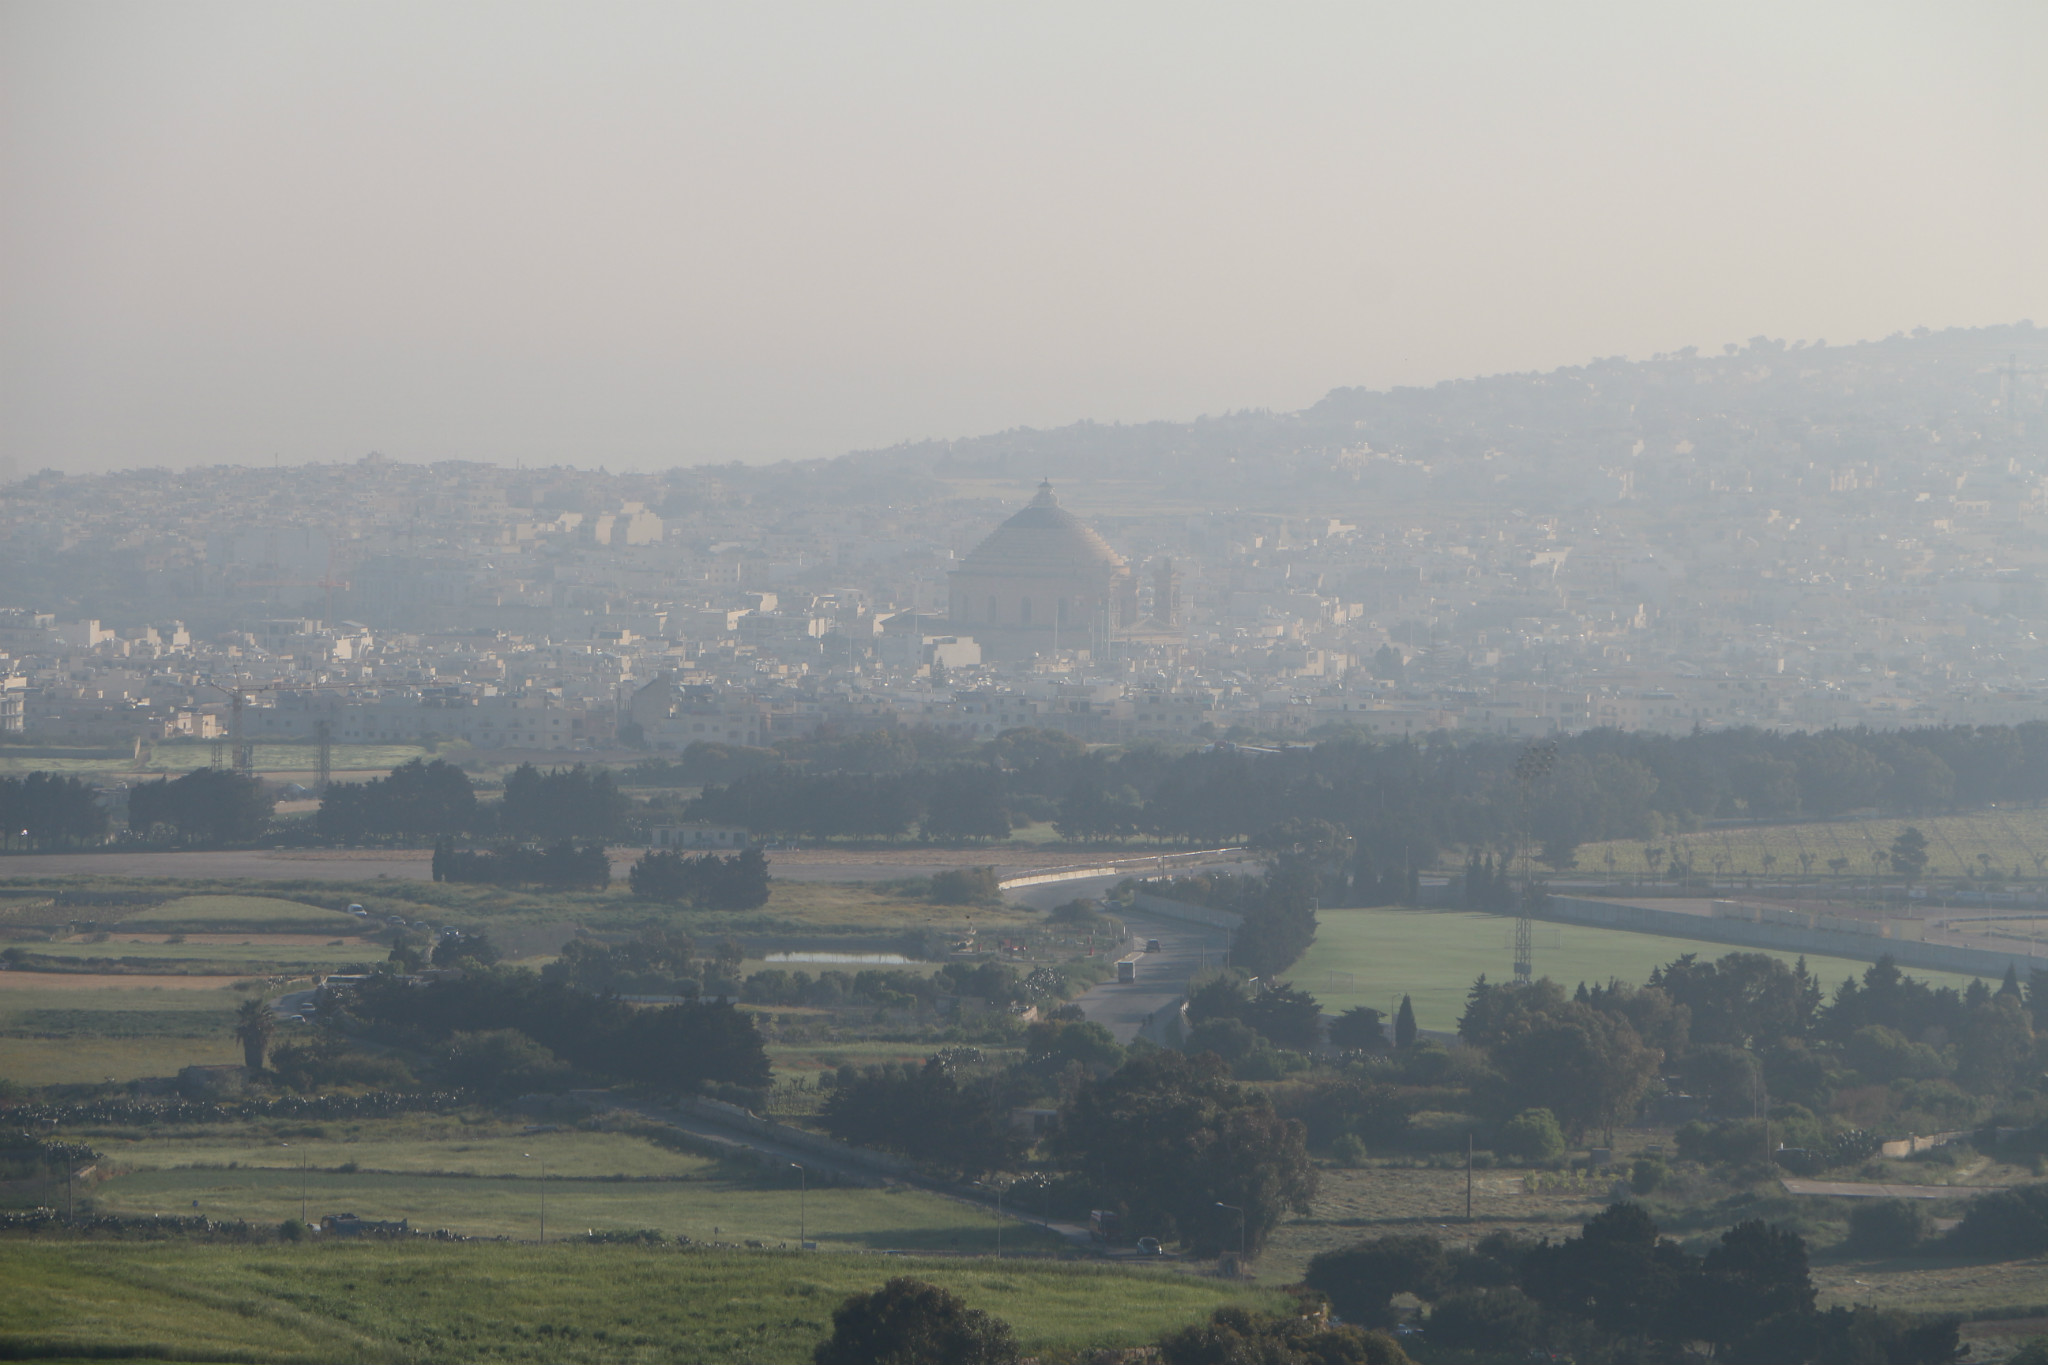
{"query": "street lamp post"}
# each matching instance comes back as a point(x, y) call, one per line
point(1240, 1232)
point(1000, 1192)
point(803, 1189)
point(302, 1181)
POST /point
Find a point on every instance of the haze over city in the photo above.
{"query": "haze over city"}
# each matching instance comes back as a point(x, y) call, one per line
point(1026, 685)
point(638, 236)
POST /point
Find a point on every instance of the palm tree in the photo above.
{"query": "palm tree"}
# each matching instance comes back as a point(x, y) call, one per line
point(254, 1023)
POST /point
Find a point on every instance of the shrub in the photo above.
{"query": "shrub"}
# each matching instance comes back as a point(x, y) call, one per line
point(1887, 1227)
point(1349, 1150)
point(2005, 1223)
point(1487, 1320)
point(964, 886)
point(1533, 1135)
point(1648, 1175)
point(1360, 1281)
point(501, 1061)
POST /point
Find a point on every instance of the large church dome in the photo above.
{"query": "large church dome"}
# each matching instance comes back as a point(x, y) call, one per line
point(1042, 582)
point(1043, 540)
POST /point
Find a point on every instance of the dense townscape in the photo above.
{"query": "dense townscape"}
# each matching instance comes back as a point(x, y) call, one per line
point(1786, 536)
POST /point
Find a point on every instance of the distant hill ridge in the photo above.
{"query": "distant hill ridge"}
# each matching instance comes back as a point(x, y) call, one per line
point(1757, 419)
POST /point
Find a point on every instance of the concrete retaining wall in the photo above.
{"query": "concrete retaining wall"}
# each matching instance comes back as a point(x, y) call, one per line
point(1119, 867)
point(1182, 910)
point(1933, 957)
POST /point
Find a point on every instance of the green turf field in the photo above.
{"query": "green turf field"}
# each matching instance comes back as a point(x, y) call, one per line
point(1373, 957)
point(556, 1305)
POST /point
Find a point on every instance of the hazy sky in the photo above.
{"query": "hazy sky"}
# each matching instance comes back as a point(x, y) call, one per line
point(639, 235)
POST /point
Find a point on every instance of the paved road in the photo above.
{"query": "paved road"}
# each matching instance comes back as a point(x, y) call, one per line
point(707, 1128)
point(1162, 976)
point(1861, 1189)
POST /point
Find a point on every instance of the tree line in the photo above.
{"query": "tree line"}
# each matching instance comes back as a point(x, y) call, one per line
point(1401, 803)
point(561, 866)
point(49, 811)
point(1621, 1292)
point(1714, 1042)
point(705, 881)
point(422, 800)
point(505, 1029)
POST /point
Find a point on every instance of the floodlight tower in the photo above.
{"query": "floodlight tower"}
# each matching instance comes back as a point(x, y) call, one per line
point(1531, 768)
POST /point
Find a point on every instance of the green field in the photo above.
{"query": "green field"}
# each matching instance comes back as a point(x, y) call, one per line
point(556, 1305)
point(2013, 839)
point(65, 1061)
point(481, 1176)
point(851, 1219)
point(226, 913)
point(800, 912)
point(53, 1034)
point(471, 1145)
point(256, 957)
point(1374, 957)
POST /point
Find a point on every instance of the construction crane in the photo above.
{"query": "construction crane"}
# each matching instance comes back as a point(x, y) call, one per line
point(1532, 767)
point(244, 750)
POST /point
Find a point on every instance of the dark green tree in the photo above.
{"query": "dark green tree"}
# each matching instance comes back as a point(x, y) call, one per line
point(1169, 1136)
point(1361, 1281)
point(1238, 1336)
point(1404, 1024)
point(911, 1322)
point(210, 806)
point(52, 811)
point(1586, 1067)
point(1909, 853)
point(1359, 1029)
point(255, 1024)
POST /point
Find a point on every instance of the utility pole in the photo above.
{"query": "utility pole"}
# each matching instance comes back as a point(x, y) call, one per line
point(999, 1213)
point(324, 731)
point(1468, 1177)
point(803, 1183)
point(543, 1198)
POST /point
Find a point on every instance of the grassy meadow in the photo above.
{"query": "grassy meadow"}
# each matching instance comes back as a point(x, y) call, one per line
point(1374, 957)
point(798, 913)
point(254, 913)
point(482, 1176)
point(554, 1305)
point(63, 1029)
